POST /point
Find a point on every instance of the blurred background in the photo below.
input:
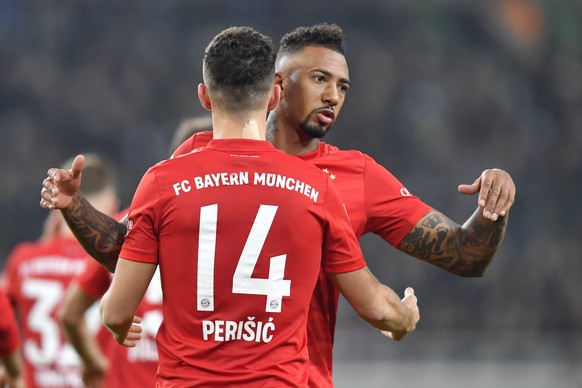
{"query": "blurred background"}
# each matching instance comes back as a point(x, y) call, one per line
point(441, 90)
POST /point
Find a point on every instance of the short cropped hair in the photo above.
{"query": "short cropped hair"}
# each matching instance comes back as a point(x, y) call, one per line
point(239, 69)
point(330, 36)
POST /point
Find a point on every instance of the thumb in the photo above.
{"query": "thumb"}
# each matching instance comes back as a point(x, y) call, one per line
point(77, 167)
point(408, 292)
point(470, 189)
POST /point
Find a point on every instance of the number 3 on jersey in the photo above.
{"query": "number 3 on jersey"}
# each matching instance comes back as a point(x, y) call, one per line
point(274, 287)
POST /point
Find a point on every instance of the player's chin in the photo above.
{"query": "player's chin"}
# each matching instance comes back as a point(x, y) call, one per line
point(316, 131)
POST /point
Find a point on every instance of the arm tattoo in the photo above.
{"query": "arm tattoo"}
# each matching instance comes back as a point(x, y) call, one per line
point(100, 235)
point(462, 250)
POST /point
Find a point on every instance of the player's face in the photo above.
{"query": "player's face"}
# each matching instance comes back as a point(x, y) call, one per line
point(314, 86)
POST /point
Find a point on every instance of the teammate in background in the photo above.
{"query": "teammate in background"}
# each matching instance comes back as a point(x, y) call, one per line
point(314, 78)
point(11, 364)
point(36, 277)
point(187, 128)
point(89, 287)
point(240, 232)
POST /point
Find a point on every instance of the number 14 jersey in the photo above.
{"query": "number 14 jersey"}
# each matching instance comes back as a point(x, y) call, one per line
point(240, 232)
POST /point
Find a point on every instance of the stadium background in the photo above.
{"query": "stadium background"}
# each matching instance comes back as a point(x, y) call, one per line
point(440, 91)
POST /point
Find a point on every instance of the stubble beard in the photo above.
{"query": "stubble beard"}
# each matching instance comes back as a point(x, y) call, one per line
point(313, 131)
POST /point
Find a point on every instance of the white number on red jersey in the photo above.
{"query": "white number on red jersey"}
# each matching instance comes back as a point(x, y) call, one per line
point(47, 294)
point(274, 287)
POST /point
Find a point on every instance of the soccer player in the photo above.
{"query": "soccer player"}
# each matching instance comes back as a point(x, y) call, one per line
point(240, 231)
point(313, 74)
point(36, 277)
point(87, 288)
point(111, 365)
point(10, 367)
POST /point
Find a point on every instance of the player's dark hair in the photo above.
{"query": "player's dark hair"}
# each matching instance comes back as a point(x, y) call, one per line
point(330, 36)
point(239, 68)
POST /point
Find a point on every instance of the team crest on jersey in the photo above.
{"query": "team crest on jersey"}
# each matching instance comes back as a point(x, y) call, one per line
point(331, 176)
point(128, 226)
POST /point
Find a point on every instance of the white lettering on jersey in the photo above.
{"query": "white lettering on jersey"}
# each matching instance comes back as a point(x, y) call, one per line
point(242, 178)
point(283, 182)
point(249, 330)
point(52, 265)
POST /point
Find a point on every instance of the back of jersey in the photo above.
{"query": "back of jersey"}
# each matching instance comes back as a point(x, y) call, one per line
point(37, 276)
point(242, 229)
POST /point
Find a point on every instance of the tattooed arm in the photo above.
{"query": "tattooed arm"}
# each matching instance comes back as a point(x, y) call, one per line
point(462, 250)
point(100, 235)
point(469, 249)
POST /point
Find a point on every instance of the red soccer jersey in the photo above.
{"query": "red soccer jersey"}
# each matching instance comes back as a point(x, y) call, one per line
point(239, 230)
point(129, 367)
point(37, 276)
point(8, 327)
point(376, 202)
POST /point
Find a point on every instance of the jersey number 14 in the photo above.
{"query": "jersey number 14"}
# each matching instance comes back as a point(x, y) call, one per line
point(274, 287)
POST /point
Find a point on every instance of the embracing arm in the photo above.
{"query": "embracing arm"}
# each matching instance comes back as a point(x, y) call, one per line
point(378, 304)
point(120, 302)
point(465, 250)
point(100, 235)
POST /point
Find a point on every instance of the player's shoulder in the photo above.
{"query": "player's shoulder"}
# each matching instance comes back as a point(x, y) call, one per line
point(197, 140)
point(329, 150)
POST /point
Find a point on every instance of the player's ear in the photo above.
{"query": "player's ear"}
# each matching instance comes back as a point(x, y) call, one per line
point(275, 97)
point(204, 97)
point(279, 80)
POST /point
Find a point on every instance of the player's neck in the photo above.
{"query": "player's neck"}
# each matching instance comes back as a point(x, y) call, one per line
point(237, 128)
point(289, 140)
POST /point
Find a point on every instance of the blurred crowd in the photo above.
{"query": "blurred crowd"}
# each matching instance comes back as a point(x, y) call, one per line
point(440, 91)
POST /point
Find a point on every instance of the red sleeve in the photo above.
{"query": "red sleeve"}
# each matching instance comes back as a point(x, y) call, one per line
point(141, 242)
point(392, 211)
point(199, 139)
point(95, 280)
point(8, 327)
point(341, 250)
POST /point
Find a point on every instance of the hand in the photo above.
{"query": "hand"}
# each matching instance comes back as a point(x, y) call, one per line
point(94, 375)
point(496, 192)
point(7, 381)
point(60, 186)
point(133, 334)
point(411, 303)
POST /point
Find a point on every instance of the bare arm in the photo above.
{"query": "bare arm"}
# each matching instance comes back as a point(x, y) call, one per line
point(465, 250)
point(100, 235)
point(11, 371)
point(120, 302)
point(377, 304)
point(72, 320)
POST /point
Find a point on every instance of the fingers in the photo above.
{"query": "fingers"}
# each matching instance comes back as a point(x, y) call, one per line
point(133, 334)
point(496, 193)
point(409, 291)
point(46, 195)
point(58, 188)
